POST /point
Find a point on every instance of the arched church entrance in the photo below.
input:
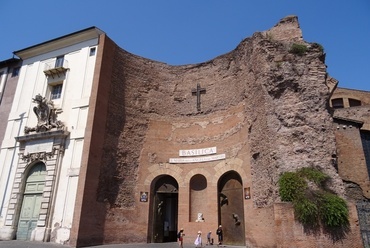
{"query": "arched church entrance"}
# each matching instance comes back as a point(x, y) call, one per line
point(231, 209)
point(31, 203)
point(164, 209)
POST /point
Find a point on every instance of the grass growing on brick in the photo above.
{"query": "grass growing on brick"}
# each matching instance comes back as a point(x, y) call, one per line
point(298, 49)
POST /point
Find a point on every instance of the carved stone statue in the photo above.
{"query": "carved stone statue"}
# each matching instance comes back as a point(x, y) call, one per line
point(236, 219)
point(159, 209)
point(200, 218)
point(46, 116)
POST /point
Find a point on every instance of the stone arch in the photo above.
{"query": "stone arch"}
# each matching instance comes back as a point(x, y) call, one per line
point(231, 207)
point(197, 198)
point(30, 199)
point(163, 209)
point(25, 163)
point(30, 166)
point(196, 171)
point(227, 165)
point(164, 169)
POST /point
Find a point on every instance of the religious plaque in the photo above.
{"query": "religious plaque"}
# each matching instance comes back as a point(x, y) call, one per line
point(247, 193)
point(143, 196)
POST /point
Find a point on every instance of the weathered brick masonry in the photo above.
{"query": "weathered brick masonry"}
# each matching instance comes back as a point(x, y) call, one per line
point(264, 108)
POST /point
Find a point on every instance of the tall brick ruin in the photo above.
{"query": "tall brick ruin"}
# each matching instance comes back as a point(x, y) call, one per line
point(264, 107)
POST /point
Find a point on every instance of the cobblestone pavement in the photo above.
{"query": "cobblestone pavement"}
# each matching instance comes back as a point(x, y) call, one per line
point(28, 244)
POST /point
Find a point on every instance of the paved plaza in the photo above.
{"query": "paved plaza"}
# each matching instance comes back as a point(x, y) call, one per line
point(28, 244)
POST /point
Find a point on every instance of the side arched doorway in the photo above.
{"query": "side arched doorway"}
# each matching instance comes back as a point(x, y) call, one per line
point(31, 203)
point(231, 208)
point(164, 209)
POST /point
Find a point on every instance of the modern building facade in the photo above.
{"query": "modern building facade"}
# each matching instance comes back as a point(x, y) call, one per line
point(102, 146)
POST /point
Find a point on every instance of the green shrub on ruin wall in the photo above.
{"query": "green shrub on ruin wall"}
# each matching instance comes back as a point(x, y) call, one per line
point(313, 175)
point(306, 212)
point(315, 206)
point(298, 49)
point(291, 186)
point(333, 209)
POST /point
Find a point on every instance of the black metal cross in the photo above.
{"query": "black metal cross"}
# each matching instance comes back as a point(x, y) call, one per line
point(197, 92)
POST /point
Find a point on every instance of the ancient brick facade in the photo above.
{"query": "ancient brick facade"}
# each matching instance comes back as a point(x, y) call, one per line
point(264, 107)
point(349, 122)
point(153, 147)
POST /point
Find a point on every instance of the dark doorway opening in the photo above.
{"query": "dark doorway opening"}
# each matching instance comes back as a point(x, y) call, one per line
point(164, 209)
point(231, 208)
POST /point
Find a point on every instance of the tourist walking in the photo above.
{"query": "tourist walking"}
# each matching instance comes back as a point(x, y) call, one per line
point(180, 237)
point(198, 240)
point(209, 241)
point(220, 235)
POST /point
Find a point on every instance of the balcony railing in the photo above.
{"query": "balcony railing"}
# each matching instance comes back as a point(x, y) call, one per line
point(56, 69)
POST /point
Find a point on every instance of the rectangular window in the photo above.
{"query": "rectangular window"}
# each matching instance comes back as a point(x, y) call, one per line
point(365, 138)
point(354, 102)
point(337, 103)
point(92, 51)
point(59, 61)
point(56, 91)
point(15, 72)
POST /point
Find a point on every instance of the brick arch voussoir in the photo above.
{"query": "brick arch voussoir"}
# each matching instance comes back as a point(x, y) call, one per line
point(227, 165)
point(164, 169)
point(197, 171)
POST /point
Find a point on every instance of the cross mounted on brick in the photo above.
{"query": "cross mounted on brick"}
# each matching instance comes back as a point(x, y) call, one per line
point(197, 92)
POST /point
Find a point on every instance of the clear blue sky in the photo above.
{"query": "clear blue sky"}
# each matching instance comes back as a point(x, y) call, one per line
point(192, 31)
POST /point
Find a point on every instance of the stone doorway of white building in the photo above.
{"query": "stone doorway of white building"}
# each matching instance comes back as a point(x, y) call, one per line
point(31, 203)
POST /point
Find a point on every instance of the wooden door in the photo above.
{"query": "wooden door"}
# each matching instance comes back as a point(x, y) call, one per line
point(231, 210)
point(31, 203)
point(29, 216)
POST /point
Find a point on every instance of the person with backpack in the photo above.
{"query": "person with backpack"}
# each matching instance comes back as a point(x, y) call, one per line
point(180, 236)
point(220, 235)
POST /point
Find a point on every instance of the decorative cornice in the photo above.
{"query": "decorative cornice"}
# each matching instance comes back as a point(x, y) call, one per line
point(44, 135)
point(42, 156)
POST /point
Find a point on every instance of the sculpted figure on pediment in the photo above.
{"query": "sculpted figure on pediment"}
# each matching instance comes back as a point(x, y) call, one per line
point(46, 116)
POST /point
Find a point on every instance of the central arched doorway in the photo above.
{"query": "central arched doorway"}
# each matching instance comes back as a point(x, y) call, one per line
point(31, 204)
point(164, 209)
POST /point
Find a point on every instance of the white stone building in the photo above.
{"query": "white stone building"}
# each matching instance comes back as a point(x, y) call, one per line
point(42, 148)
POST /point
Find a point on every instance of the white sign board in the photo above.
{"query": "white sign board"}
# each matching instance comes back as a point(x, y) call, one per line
point(197, 159)
point(198, 152)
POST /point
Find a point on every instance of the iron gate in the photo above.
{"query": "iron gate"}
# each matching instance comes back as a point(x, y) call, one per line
point(363, 210)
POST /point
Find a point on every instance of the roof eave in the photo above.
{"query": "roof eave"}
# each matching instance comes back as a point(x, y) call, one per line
point(9, 62)
point(61, 42)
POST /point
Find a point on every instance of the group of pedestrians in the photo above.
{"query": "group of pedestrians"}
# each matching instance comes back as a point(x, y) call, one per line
point(198, 239)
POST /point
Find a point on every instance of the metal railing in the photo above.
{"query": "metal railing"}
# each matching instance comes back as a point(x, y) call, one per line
point(53, 64)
